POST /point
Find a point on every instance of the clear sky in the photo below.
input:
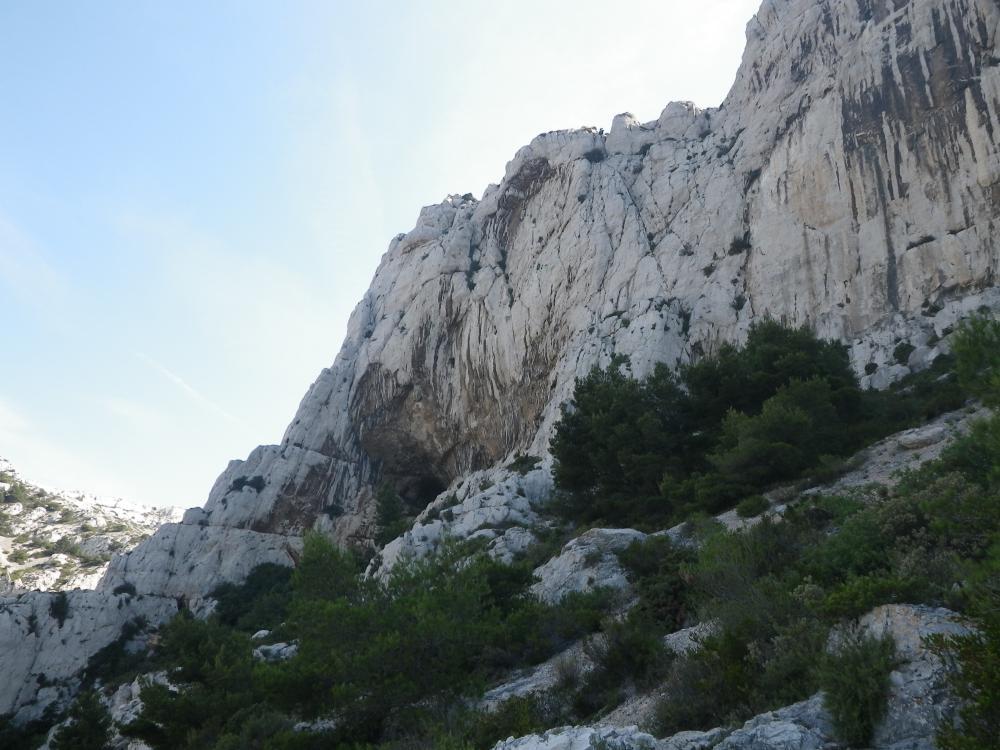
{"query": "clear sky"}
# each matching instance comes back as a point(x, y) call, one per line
point(194, 195)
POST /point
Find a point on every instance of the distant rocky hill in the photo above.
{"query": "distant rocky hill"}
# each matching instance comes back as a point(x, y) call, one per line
point(58, 541)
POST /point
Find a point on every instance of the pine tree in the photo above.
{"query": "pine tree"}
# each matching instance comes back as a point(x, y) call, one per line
point(89, 726)
point(388, 513)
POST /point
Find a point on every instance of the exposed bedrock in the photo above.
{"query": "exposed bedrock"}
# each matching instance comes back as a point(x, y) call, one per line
point(849, 181)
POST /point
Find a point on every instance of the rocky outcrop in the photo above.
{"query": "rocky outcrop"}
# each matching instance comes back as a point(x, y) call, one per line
point(918, 702)
point(883, 462)
point(850, 181)
point(802, 726)
point(497, 506)
point(188, 561)
point(274, 652)
point(571, 665)
point(920, 699)
point(583, 738)
point(47, 640)
point(588, 562)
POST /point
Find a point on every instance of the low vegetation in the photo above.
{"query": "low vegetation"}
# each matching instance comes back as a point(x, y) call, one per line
point(387, 659)
point(855, 683)
point(88, 726)
point(650, 452)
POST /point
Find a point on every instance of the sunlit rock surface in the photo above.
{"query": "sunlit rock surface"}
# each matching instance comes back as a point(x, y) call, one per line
point(850, 181)
point(47, 639)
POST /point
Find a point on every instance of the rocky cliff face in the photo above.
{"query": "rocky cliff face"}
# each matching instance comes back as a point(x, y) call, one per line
point(850, 181)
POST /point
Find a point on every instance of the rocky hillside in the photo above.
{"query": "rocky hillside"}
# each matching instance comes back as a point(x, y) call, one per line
point(849, 182)
point(57, 541)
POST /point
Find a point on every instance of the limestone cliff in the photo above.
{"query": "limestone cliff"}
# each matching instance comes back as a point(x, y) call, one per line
point(850, 180)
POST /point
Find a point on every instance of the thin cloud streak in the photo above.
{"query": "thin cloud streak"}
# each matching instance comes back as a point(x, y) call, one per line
point(193, 393)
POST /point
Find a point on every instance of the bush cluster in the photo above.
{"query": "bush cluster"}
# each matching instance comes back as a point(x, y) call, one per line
point(774, 592)
point(650, 451)
point(388, 659)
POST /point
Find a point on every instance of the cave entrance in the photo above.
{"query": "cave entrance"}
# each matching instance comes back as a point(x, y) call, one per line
point(418, 491)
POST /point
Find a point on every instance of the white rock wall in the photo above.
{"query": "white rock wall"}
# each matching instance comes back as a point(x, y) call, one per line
point(41, 659)
point(849, 181)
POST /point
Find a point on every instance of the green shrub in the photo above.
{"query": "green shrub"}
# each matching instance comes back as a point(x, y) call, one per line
point(855, 683)
point(730, 564)
point(963, 515)
point(742, 379)
point(25, 736)
point(977, 347)
point(524, 464)
point(214, 666)
point(703, 689)
point(645, 452)
point(859, 594)
point(115, 663)
point(59, 607)
point(388, 658)
point(515, 717)
point(858, 548)
point(260, 602)
point(89, 726)
point(977, 685)
point(975, 662)
point(827, 469)
point(977, 455)
point(618, 436)
point(786, 663)
point(252, 728)
point(656, 569)
point(752, 506)
point(795, 426)
point(390, 515)
point(902, 352)
point(626, 653)
point(325, 572)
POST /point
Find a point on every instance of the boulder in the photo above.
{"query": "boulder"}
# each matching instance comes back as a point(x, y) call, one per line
point(586, 563)
point(583, 738)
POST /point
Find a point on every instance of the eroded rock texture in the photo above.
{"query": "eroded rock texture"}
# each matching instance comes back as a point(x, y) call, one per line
point(850, 181)
point(47, 640)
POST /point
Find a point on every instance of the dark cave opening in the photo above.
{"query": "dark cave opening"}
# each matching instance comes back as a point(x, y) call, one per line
point(418, 491)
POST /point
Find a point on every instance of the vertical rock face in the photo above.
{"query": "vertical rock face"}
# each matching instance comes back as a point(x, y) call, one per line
point(47, 639)
point(850, 181)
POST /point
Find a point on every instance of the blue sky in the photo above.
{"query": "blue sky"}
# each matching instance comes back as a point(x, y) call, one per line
point(193, 196)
